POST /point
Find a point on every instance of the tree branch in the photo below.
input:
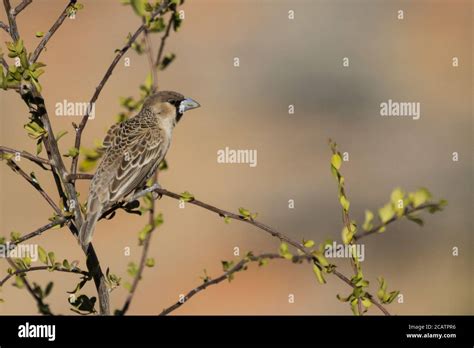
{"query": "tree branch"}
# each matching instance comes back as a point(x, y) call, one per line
point(268, 229)
point(42, 268)
point(36, 159)
point(59, 221)
point(150, 61)
point(5, 27)
point(39, 300)
point(406, 212)
point(105, 78)
point(16, 168)
point(226, 275)
point(163, 41)
point(11, 20)
point(146, 245)
point(50, 32)
point(21, 6)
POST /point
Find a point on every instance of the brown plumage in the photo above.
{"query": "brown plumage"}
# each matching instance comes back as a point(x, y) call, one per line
point(133, 151)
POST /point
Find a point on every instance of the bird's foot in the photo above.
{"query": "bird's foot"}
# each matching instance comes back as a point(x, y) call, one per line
point(143, 192)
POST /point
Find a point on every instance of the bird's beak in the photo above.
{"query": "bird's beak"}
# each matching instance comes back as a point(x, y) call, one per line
point(188, 104)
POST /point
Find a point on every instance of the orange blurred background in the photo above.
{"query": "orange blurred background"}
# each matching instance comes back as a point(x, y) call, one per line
point(282, 62)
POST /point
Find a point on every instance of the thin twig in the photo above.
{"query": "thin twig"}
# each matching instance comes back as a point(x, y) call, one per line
point(42, 268)
point(16, 168)
point(154, 74)
point(38, 299)
point(105, 78)
point(36, 159)
point(226, 275)
point(58, 221)
point(406, 211)
point(5, 27)
point(51, 32)
point(11, 21)
point(4, 63)
point(21, 6)
point(268, 229)
point(146, 246)
point(163, 41)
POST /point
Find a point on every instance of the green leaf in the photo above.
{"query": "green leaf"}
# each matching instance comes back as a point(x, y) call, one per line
point(397, 195)
point(39, 34)
point(285, 252)
point(150, 262)
point(344, 203)
point(72, 152)
point(369, 218)
point(143, 233)
point(132, 269)
point(419, 221)
point(167, 60)
point(43, 256)
point(60, 135)
point(51, 257)
point(37, 85)
point(386, 213)
point(308, 243)
point(421, 196)
point(336, 161)
point(366, 302)
point(347, 234)
point(19, 46)
point(48, 289)
point(15, 236)
point(66, 264)
point(157, 25)
point(186, 196)
point(226, 265)
point(319, 274)
point(139, 7)
point(321, 258)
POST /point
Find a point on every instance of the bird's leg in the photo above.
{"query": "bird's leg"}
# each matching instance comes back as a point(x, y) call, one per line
point(143, 192)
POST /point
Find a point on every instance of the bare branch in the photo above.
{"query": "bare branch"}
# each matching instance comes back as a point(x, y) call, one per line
point(163, 41)
point(105, 78)
point(59, 221)
point(51, 32)
point(16, 168)
point(11, 20)
point(5, 27)
point(21, 7)
point(146, 245)
point(36, 159)
point(226, 275)
point(4, 63)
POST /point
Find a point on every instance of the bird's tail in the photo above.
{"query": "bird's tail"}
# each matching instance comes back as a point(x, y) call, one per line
point(87, 228)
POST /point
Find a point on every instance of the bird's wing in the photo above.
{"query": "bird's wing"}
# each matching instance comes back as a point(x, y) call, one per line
point(111, 135)
point(143, 149)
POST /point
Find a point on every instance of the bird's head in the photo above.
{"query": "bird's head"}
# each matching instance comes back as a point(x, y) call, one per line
point(169, 105)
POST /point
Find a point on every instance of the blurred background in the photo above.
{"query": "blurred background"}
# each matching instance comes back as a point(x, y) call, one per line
point(282, 62)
